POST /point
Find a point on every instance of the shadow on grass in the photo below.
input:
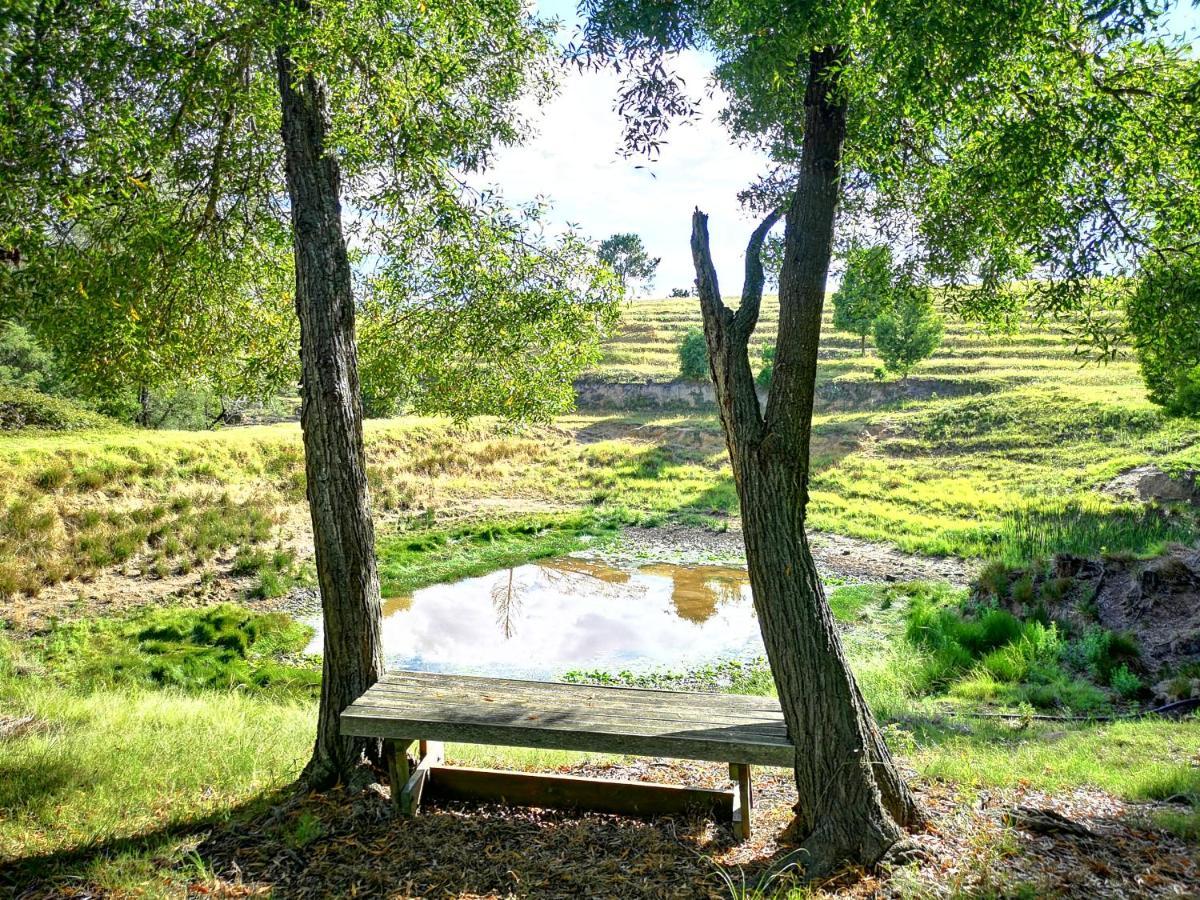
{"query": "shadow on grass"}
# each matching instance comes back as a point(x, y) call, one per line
point(44, 875)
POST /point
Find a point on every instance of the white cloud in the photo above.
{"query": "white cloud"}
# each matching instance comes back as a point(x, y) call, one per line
point(574, 160)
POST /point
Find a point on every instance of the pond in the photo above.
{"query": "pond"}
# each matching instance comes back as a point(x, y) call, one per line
point(543, 619)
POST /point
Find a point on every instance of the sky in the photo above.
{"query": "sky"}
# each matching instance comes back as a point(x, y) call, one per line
point(573, 160)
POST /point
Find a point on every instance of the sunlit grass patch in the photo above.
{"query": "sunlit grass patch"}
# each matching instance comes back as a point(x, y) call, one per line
point(421, 556)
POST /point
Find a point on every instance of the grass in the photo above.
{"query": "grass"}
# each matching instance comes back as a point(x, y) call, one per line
point(149, 730)
point(417, 557)
point(119, 777)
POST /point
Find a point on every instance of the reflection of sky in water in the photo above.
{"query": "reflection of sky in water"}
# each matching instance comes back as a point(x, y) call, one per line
point(544, 619)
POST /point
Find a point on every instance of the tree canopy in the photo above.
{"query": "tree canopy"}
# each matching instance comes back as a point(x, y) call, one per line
point(142, 192)
point(626, 255)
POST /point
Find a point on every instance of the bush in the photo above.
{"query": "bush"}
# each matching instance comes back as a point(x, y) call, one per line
point(910, 331)
point(1162, 313)
point(23, 408)
point(693, 356)
point(768, 367)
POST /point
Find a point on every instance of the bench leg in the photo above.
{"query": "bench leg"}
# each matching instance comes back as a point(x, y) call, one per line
point(395, 754)
point(743, 802)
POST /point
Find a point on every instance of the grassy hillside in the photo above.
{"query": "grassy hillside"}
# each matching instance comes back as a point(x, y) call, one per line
point(1006, 462)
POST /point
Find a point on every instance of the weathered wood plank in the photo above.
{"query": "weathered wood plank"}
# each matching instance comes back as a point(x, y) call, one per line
point(716, 745)
point(650, 696)
point(575, 793)
point(381, 695)
point(510, 712)
point(743, 803)
point(395, 756)
point(414, 788)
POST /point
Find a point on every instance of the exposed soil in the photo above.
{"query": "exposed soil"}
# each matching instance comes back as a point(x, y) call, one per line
point(1079, 844)
point(838, 557)
point(1156, 601)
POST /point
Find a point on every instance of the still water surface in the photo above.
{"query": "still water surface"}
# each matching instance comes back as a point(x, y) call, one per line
point(543, 619)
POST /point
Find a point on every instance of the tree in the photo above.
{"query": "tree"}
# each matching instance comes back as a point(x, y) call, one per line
point(146, 146)
point(24, 363)
point(1163, 312)
point(627, 256)
point(865, 293)
point(992, 136)
point(910, 331)
point(693, 356)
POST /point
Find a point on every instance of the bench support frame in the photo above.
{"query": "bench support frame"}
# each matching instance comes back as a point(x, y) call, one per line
point(412, 781)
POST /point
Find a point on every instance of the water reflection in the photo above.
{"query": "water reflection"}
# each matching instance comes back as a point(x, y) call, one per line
point(543, 619)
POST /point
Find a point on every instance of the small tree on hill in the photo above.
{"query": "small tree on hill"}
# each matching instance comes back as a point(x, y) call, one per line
point(626, 255)
point(910, 331)
point(693, 356)
point(1162, 313)
point(866, 292)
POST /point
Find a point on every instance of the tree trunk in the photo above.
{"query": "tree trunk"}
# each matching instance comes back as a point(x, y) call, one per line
point(863, 349)
point(143, 414)
point(331, 419)
point(852, 800)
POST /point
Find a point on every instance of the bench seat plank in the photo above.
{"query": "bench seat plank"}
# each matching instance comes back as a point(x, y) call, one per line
point(674, 724)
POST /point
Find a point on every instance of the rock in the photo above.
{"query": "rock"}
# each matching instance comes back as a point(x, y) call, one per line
point(1152, 483)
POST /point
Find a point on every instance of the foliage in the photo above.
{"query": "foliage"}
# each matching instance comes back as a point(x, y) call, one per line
point(153, 161)
point(987, 140)
point(23, 408)
point(680, 292)
point(1162, 313)
point(626, 255)
point(763, 379)
point(866, 291)
point(24, 363)
point(910, 331)
point(484, 319)
point(693, 356)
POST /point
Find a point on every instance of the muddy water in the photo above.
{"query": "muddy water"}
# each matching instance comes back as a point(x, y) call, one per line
point(541, 620)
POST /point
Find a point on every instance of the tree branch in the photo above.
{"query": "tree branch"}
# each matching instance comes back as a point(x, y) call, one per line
point(746, 317)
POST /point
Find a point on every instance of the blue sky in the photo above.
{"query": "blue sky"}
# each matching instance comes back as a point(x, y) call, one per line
point(573, 160)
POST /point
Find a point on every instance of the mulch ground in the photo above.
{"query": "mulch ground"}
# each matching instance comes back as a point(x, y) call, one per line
point(1078, 844)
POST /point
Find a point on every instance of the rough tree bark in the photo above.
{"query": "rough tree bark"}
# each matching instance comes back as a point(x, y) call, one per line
point(331, 419)
point(853, 802)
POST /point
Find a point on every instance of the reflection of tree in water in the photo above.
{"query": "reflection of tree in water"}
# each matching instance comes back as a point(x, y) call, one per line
point(556, 574)
point(697, 591)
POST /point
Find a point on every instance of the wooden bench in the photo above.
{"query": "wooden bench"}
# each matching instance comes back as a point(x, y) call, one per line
point(426, 708)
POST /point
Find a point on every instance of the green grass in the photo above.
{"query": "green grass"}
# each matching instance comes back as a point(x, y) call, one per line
point(217, 647)
point(119, 776)
point(418, 557)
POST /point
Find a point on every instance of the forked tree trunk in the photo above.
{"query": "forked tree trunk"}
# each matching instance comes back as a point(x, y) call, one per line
point(852, 800)
point(331, 419)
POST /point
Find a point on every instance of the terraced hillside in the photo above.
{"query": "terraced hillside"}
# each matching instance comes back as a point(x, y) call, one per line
point(646, 349)
point(998, 447)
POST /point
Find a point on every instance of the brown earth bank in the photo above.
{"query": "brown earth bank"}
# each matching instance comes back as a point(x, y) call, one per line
point(1082, 843)
point(1156, 601)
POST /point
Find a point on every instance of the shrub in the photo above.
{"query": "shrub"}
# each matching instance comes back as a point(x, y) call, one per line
point(768, 368)
point(1125, 683)
point(910, 331)
point(23, 408)
point(1162, 312)
point(693, 356)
